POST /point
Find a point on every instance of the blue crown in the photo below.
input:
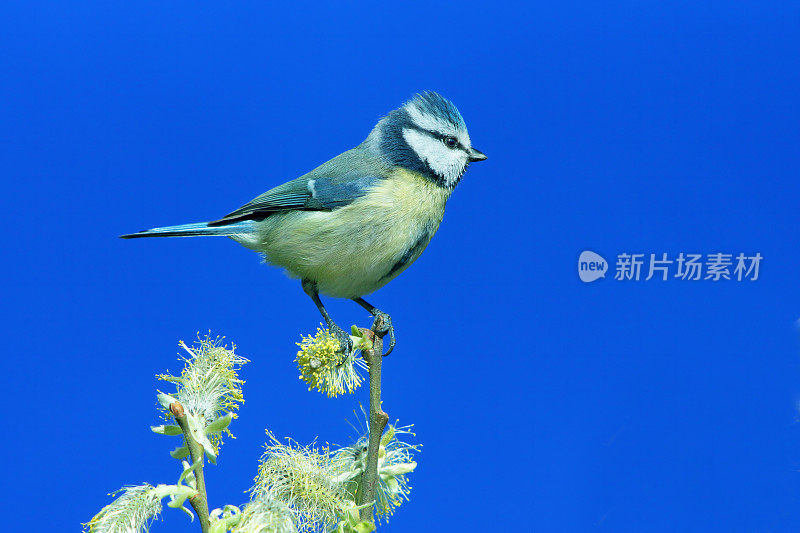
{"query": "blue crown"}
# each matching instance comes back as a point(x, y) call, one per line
point(432, 103)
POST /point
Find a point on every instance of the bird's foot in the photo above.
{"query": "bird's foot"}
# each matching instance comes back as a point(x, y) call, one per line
point(345, 344)
point(383, 325)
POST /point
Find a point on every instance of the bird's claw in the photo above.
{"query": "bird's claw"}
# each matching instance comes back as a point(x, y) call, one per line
point(345, 343)
point(383, 325)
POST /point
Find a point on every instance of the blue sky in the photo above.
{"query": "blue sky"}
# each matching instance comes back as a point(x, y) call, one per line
point(543, 403)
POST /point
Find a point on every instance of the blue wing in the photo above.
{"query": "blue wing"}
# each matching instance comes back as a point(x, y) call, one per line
point(334, 184)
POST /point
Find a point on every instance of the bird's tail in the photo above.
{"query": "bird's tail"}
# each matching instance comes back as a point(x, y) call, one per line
point(195, 230)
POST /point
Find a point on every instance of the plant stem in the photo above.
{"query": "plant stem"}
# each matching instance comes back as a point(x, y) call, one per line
point(200, 501)
point(377, 421)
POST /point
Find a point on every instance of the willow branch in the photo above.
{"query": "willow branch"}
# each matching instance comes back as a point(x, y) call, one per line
point(377, 420)
point(200, 501)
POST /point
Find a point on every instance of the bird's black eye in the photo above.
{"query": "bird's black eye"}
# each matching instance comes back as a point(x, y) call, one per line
point(451, 142)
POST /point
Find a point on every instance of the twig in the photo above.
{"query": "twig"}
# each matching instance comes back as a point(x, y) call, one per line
point(377, 420)
point(200, 501)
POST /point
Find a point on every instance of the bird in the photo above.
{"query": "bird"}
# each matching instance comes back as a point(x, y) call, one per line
point(354, 223)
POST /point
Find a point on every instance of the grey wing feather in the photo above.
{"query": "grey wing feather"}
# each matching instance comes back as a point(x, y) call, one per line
point(333, 184)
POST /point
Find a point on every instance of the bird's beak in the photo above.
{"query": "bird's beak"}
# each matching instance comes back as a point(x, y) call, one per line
point(476, 155)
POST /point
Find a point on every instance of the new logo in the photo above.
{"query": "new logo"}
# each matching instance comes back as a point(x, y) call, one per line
point(591, 266)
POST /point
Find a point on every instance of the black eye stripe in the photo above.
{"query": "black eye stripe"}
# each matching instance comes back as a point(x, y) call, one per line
point(440, 136)
point(456, 146)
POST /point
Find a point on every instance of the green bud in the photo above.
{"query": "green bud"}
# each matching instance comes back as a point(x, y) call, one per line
point(219, 424)
point(398, 469)
point(388, 435)
point(180, 452)
point(362, 343)
point(188, 473)
point(364, 527)
point(166, 430)
point(165, 400)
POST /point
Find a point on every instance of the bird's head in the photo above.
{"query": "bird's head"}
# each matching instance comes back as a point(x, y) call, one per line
point(427, 135)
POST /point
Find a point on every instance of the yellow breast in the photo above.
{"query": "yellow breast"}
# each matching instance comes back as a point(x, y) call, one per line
point(356, 249)
point(408, 199)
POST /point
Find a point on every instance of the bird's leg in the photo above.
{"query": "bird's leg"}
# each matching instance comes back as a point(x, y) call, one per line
point(346, 344)
point(385, 318)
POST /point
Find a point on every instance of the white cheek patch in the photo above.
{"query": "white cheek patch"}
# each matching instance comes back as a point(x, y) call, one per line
point(463, 138)
point(311, 188)
point(444, 161)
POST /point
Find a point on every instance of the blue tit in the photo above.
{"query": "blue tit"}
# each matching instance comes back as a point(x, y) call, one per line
point(354, 223)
